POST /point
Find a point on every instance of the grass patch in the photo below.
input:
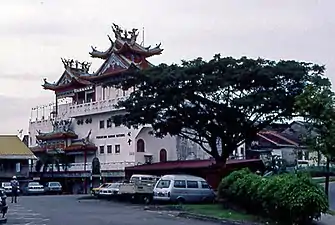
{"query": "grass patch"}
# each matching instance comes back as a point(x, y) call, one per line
point(331, 212)
point(218, 211)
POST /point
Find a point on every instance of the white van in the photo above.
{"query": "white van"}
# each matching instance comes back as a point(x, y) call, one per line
point(183, 188)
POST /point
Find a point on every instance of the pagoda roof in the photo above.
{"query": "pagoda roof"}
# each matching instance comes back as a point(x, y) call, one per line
point(70, 77)
point(123, 55)
point(125, 44)
point(56, 135)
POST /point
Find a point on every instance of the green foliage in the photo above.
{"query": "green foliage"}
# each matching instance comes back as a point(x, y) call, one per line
point(287, 198)
point(59, 160)
point(224, 99)
point(316, 104)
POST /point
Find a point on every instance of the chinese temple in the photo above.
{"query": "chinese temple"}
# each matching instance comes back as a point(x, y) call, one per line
point(82, 128)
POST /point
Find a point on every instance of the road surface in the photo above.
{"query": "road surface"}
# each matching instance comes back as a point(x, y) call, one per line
point(55, 210)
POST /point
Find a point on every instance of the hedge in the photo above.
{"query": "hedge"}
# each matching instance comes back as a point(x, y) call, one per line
point(286, 198)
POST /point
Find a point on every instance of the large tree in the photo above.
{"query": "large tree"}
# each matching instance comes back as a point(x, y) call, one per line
point(317, 105)
point(223, 100)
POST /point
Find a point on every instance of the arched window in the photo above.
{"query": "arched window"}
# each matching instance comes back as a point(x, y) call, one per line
point(140, 146)
point(162, 155)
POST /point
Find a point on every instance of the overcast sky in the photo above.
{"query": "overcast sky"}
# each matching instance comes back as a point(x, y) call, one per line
point(34, 34)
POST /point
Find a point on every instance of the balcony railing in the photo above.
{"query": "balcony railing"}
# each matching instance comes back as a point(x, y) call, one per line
point(75, 110)
point(80, 167)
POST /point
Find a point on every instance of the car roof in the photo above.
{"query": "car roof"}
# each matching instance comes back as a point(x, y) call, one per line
point(182, 177)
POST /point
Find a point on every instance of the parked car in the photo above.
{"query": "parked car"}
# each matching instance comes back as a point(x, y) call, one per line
point(7, 186)
point(53, 188)
point(109, 191)
point(95, 191)
point(183, 188)
point(34, 188)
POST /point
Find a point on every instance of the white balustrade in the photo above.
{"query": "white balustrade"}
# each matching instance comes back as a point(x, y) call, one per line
point(75, 110)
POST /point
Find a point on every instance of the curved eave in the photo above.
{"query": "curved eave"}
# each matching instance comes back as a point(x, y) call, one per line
point(100, 55)
point(125, 47)
point(149, 53)
point(107, 75)
point(74, 81)
point(55, 136)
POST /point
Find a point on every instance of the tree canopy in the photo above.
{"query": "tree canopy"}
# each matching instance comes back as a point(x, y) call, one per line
point(224, 100)
point(317, 105)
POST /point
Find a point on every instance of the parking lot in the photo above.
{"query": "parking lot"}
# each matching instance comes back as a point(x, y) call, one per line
point(67, 209)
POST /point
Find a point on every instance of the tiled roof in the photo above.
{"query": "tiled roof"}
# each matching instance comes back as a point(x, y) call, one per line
point(12, 147)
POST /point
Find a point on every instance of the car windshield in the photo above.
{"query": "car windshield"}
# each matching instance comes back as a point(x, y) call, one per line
point(34, 184)
point(104, 185)
point(54, 184)
point(115, 185)
point(5, 184)
point(163, 184)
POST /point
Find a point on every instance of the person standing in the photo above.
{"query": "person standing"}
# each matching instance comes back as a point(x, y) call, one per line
point(15, 187)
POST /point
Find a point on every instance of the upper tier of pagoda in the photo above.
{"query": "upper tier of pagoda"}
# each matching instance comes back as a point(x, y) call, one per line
point(122, 55)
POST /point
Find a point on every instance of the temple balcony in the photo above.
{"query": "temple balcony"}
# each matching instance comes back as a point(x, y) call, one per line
point(80, 167)
point(75, 110)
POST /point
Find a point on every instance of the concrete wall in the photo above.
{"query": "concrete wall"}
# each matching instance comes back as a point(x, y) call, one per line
point(153, 146)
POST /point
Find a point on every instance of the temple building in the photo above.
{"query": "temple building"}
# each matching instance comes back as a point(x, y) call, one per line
point(79, 128)
point(80, 125)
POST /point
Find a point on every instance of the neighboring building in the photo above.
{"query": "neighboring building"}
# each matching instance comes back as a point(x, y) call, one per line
point(15, 158)
point(286, 141)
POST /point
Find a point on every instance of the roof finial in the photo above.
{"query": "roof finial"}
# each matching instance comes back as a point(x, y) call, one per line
point(117, 31)
point(133, 35)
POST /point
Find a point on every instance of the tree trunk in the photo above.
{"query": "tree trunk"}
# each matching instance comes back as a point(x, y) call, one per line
point(327, 177)
point(319, 158)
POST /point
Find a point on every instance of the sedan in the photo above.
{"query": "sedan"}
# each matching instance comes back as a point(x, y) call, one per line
point(53, 188)
point(110, 191)
point(34, 188)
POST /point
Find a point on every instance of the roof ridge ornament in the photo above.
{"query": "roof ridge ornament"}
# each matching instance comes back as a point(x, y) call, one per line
point(75, 64)
point(117, 31)
point(123, 34)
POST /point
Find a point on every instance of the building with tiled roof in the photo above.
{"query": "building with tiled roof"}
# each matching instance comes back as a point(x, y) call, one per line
point(15, 157)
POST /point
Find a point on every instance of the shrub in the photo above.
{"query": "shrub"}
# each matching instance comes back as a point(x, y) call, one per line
point(288, 198)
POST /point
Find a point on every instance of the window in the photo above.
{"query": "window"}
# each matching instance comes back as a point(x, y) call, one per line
point(163, 184)
point(117, 121)
point(109, 123)
point(102, 124)
point(179, 184)
point(102, 149)
point(204, 185)
point(109, 149)
point(117, 149)
point(140, 145)
point(192, 184)
point(162, 155)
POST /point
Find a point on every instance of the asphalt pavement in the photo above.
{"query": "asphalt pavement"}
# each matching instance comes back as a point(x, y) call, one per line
point(68, 210)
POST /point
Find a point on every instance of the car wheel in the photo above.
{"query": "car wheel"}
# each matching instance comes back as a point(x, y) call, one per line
point(180, 200)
